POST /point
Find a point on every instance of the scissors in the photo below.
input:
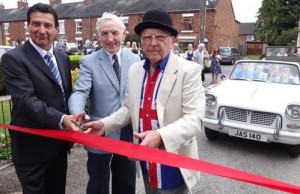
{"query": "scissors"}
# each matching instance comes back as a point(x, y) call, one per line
point(80, 126)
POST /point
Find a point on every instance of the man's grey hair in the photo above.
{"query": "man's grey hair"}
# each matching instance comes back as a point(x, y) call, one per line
point(201, 45)
point(109, 16)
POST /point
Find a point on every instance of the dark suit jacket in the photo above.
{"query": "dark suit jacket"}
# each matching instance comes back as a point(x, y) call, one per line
point(37, 101)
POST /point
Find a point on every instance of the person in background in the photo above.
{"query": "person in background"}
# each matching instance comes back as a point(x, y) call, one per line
point(215, 65)
point(168, 87)
point(273, 74)
point(188, 55)
point(175, 49)
point(38, 77)
point(199, 58)
point(134, 48)
point(101, 84)
point(286, 76)
point(294, 52)
point(127, 46)
point(282, 53)
point(246, 72)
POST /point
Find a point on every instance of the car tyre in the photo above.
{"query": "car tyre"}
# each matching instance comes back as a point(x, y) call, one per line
point(294, 150)
point(211, 134)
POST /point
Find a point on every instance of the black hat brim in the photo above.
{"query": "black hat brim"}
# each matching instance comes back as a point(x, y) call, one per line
point(154, 24)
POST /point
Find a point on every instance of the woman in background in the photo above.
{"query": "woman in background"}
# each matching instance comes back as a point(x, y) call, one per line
point(215, 67)
point(189, 53)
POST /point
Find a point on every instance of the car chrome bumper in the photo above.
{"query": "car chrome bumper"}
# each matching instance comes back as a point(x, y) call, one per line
point(285, 137)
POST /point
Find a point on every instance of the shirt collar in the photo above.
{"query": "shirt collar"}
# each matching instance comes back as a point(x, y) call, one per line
point(161, 65)
point(110, 55)
point(40, 50)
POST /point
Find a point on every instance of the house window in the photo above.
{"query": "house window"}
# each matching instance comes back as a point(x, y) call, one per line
point(6, 28)
point(78, 26)
point(250, 37)
point(61, 24)
point(187, 24)
point(125, 20)
point(26, 28)
point(187, 21)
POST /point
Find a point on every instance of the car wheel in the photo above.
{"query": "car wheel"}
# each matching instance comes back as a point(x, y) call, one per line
point(294, 150)
point(211, 134)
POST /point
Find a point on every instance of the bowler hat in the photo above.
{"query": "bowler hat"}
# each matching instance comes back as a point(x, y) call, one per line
point(156, 19)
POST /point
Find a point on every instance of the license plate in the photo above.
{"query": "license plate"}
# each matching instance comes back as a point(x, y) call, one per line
point(248, 135)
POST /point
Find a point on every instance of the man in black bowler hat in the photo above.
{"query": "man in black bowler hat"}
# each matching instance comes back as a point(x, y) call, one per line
point(165, 103)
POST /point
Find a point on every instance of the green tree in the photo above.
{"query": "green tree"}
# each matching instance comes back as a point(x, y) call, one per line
point(276, 16)
point(287, 38)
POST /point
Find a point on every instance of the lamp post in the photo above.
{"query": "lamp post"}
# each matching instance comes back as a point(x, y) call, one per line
point(202, 19)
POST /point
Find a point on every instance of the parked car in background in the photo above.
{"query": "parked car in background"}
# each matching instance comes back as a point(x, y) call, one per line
point(4, 49)
point(229, 55)
point(86, 50)
point(258, 101)
point(71, 48)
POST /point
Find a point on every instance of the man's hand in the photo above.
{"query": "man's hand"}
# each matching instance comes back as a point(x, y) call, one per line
point(150, 139)
point(95, 128)
point(73, 121)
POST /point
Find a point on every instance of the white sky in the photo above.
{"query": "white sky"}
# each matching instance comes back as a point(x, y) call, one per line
point(245, 10)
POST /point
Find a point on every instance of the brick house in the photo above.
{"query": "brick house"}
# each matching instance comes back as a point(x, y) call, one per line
point(77, 20)
point(247, 39)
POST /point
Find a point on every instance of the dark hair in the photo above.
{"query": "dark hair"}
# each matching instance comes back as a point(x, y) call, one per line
point(295, 50)
point(43, 8)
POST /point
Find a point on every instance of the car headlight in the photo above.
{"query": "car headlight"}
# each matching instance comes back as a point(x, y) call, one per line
point(211, 100)
point(293, 111)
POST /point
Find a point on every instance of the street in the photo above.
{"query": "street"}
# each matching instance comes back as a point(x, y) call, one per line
point(225, 71)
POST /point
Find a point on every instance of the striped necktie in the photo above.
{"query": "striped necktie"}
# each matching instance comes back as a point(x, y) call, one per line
point(55, 72)
point(116, 67)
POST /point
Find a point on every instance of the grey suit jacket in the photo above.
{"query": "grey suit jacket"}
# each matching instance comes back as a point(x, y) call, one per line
point(98, 85)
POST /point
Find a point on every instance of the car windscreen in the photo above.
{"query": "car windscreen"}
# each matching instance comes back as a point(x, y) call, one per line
point(266, 72)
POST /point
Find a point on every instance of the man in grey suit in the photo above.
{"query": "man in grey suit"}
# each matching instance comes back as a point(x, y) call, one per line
point(103, 87)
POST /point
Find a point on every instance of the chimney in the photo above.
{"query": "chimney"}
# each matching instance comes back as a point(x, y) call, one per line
point(22, 4)
point(54, 2)
point(2, 6)
point(86, 2)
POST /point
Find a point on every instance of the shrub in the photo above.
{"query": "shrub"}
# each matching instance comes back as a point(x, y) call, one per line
point(75, 61)
point(5, 147)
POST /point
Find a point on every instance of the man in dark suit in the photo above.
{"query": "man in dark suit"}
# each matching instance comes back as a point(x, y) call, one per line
point(104, 90)
point(39, 99)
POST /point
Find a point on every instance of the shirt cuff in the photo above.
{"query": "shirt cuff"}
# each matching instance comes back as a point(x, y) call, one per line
point(61, 124)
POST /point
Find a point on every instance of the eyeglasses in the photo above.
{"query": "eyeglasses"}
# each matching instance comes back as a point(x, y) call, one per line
point(158, 38)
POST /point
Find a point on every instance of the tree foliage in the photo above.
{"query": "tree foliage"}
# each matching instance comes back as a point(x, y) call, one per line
point(287, 38)
point(276, 17)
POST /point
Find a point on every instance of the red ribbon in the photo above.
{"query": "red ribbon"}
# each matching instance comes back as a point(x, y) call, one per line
point(158, 156)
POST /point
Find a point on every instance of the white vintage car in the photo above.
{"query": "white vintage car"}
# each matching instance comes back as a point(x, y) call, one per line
point(259, 100)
